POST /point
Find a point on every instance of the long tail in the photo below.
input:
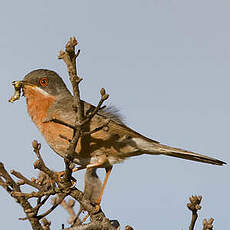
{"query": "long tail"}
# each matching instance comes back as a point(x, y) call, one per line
point(157, 148)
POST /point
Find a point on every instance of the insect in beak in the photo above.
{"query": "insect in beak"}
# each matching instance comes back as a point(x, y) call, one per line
point(17, 91)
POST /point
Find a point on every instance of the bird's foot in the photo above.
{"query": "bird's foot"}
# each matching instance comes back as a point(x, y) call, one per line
point(60, 178)
point(60, 175)
point(97, 209)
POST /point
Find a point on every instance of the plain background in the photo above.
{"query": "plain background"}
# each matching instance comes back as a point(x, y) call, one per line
point(165, 64)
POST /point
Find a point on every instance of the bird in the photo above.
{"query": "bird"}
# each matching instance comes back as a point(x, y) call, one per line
point(48, 98)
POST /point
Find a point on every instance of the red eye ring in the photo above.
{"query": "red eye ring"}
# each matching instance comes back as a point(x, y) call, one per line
point(43, 81)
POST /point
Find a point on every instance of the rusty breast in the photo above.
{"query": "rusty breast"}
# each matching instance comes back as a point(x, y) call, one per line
point(38, 104)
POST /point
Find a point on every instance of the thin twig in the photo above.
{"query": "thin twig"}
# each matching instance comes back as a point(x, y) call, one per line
point(28, 209)
point(27, 181)
point(40, 203)
point(39, 164)
point(5, 186)
point(208, 225)
point(69, 57)
point(65, 138)
point(45, 224)
point(61, 198)
point(58, 121)
point(9, 181)
point(194, 206)
point(104, 97)
point(34, 194)
point(96, 129)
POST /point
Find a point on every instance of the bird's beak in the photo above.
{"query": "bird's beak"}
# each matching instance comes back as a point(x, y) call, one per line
point(26, 83)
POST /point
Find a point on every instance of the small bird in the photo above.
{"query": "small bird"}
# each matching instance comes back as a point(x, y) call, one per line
point(48, 98)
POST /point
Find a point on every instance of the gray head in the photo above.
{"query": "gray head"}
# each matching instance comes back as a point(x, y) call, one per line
point(47, 80)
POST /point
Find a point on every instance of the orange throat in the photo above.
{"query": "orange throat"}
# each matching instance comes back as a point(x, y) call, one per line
point(37, 104)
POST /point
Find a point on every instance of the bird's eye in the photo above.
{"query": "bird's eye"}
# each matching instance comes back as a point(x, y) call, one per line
point(44, 81)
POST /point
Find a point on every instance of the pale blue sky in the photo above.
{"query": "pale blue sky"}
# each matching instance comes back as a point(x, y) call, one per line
point(165, 64)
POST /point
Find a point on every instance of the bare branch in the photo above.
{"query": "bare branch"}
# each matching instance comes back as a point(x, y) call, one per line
point(9, 181)
point(45, 224)
point(97, 129)
point(208, 225)
point(39, 164)
point(95, 225)
point(40, 203)
point(194, 206)
point(61, 198)
point(26, 181)
point(69, 57)
point(104, 97)
point(20, 199)
point(60, 122)
point(127, 227)
point(65, 138)
point(33, 194)
point(5, 186)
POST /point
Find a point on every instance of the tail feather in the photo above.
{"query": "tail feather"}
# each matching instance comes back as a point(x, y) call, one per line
point(157, 148)
point(184, 154)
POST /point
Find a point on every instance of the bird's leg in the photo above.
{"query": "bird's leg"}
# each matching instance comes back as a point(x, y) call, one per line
point(61, 173)
point(78, 168)
point(108, 171)
point(101, 160)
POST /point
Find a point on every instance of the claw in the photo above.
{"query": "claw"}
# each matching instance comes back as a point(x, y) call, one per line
point(60, 175)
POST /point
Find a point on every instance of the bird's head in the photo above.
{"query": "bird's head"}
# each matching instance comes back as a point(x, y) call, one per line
point(43, 82)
